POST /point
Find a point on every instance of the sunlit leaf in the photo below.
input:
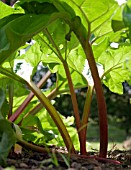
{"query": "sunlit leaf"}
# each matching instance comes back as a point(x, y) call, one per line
point(5, 10)
point(115, 71)
point(78, 80)
point(76, 59)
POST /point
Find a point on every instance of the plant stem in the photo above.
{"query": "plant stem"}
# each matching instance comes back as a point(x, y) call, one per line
point(50, 96)
point(100, 100)
point(72, 91)
point(85, 42)
point(75, 108)
point(85, 114)
point(14, 116)
point(39, 106)
point(11, 94)
point(50, 150)
point(54, 115)
point(32, 146)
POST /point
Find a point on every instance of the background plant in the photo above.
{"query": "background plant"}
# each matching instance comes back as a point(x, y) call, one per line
point(64, 39)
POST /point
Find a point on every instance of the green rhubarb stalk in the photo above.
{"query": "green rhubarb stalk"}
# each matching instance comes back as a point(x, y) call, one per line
point(39, 106)
point(49, 107)
point(54, 115)
point(11, 94)
point(86, 112)
point(25, 103)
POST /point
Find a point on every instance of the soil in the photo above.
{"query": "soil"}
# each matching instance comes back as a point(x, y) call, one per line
point(32, 160)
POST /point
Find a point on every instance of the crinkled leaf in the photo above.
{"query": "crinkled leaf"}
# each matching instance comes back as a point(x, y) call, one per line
point(48, 57)
point(100, 46)
point(33, 55)
point(95, 12)
point(76, 59)
point(52, 34)
point(115, 79)
point(115, 71)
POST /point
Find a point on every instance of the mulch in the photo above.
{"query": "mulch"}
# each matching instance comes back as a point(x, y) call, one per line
point(32, 160)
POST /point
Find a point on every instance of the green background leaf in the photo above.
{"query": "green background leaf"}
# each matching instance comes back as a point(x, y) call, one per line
point(7, 140)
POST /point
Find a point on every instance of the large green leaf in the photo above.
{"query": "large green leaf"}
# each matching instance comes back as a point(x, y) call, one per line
point(77, 78)
point(127, 17)
point(48, 125)
point(37, 7)
point(76, 59)
point(5, 10)
point(114, 61)
point(102, 25)
point(52, 34)
point(7, 140)
point(4, 21)
point(23, 28)
point(94, 12)
point(33, 55)
point(17, 32)
point(100, 47)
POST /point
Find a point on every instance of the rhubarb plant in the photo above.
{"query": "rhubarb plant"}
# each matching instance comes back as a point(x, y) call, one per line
point(85, 43)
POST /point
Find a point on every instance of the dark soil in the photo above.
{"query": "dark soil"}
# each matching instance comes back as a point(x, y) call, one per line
point(30, 160)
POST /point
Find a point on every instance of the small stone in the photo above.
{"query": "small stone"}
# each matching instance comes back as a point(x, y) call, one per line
point(90, 167)
point(23, 165)
point(127, 144)
point(97, 168)
point(76, 165)
point(84, 168)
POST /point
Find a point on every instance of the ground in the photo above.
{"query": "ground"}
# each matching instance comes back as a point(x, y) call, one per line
point(30, 160)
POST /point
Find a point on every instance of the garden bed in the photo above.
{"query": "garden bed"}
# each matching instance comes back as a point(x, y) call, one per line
point(39, 161)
